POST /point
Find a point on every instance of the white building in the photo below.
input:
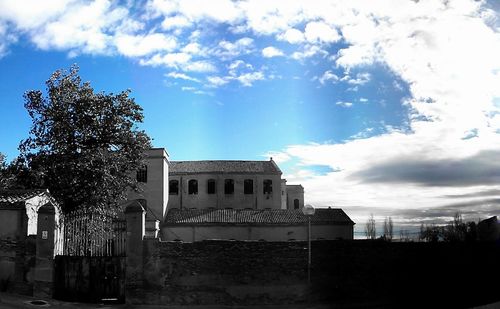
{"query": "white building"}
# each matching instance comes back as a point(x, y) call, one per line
point(244, 200)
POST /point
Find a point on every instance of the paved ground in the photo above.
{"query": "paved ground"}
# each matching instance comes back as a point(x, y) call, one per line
point(13, 301)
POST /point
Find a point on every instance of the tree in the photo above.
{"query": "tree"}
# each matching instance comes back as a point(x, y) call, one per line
point(83, 145)
point(3, 172)
point(456, 230)
point(370, 229)
point(388, 229)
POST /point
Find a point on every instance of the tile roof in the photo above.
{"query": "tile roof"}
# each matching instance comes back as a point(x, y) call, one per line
point(253, 217)
point(223, 166)
point(15, 196)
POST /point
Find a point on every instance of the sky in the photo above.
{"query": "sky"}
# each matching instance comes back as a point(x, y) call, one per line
point(388, 107)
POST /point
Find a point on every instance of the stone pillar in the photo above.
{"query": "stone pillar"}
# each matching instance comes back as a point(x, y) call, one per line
point(152, 228)
point(136, 219)
point(44, 266)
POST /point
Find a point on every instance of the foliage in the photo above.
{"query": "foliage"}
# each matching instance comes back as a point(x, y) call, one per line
point(455, 231)
point(82, 145)
point(3, 172)
point(370, 229)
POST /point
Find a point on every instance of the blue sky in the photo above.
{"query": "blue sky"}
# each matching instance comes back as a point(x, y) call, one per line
point(388, 107)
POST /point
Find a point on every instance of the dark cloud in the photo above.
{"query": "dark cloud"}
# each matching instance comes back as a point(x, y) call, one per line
point(413, 217)
point(480, 169)
point(492, 192)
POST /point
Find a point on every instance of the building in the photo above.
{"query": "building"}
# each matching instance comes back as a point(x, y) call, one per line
point(489, 229)
point(19, 211)
point(223, 199)
point(255, 224)
point(24, 215)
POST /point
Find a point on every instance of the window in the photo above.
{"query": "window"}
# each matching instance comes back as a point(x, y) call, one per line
point(142, 174)
point(211, 186)
point(296, 204)
point(173, 187)
point(228, 186)
point(268, 186)
point(193, 186)
point(248, 186)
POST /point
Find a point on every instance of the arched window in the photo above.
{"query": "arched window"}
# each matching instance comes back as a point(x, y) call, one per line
point(211, 186)
point(173, 187)
point(193, 186)
point(228, 186)
point(268, 186)
point(296, 204)
point(248, 186)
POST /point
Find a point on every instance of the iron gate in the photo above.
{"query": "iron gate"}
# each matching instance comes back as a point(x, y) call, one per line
point(90, 265)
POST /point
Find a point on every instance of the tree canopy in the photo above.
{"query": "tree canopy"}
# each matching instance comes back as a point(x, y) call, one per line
point(83, 145)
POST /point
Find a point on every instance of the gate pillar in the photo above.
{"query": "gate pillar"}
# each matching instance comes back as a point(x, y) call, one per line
point(136, 228)
point(44, 265)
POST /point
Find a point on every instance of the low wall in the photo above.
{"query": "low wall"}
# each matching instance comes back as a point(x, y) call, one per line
point(223, 272)
point(253, 272)
point(17, 264)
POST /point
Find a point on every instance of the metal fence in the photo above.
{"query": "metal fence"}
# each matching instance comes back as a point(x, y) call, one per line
point(92, 234)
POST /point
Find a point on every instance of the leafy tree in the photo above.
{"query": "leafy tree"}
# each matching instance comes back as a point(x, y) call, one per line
point(82, 145)
point(3, 172)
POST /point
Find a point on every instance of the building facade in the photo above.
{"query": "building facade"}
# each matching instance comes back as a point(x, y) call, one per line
point(224, 184)
point(224, 199)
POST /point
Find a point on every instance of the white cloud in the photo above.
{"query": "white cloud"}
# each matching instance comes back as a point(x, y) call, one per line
point(193, 48)
point(344, 104)
point(271, 51)
point(175, 22)
point(328, 76)
point(30, 14)
point(278, 157)
point(201, 66)
point(247, 79)
point(172, 60)
point(183, 76)
point(83, 27)
point(134, 46)
point(308, 52)
point(320, 32)
point(292, 36)
point(216, 81)
point(360, 79)
point(228, 49)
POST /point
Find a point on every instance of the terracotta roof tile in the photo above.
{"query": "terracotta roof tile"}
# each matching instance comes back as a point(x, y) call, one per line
point(254, 216)
point(14, 196)
point(222, 166)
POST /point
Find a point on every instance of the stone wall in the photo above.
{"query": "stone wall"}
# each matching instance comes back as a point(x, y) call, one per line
point(252, 272)
point(17, 263)
point(223, 273)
